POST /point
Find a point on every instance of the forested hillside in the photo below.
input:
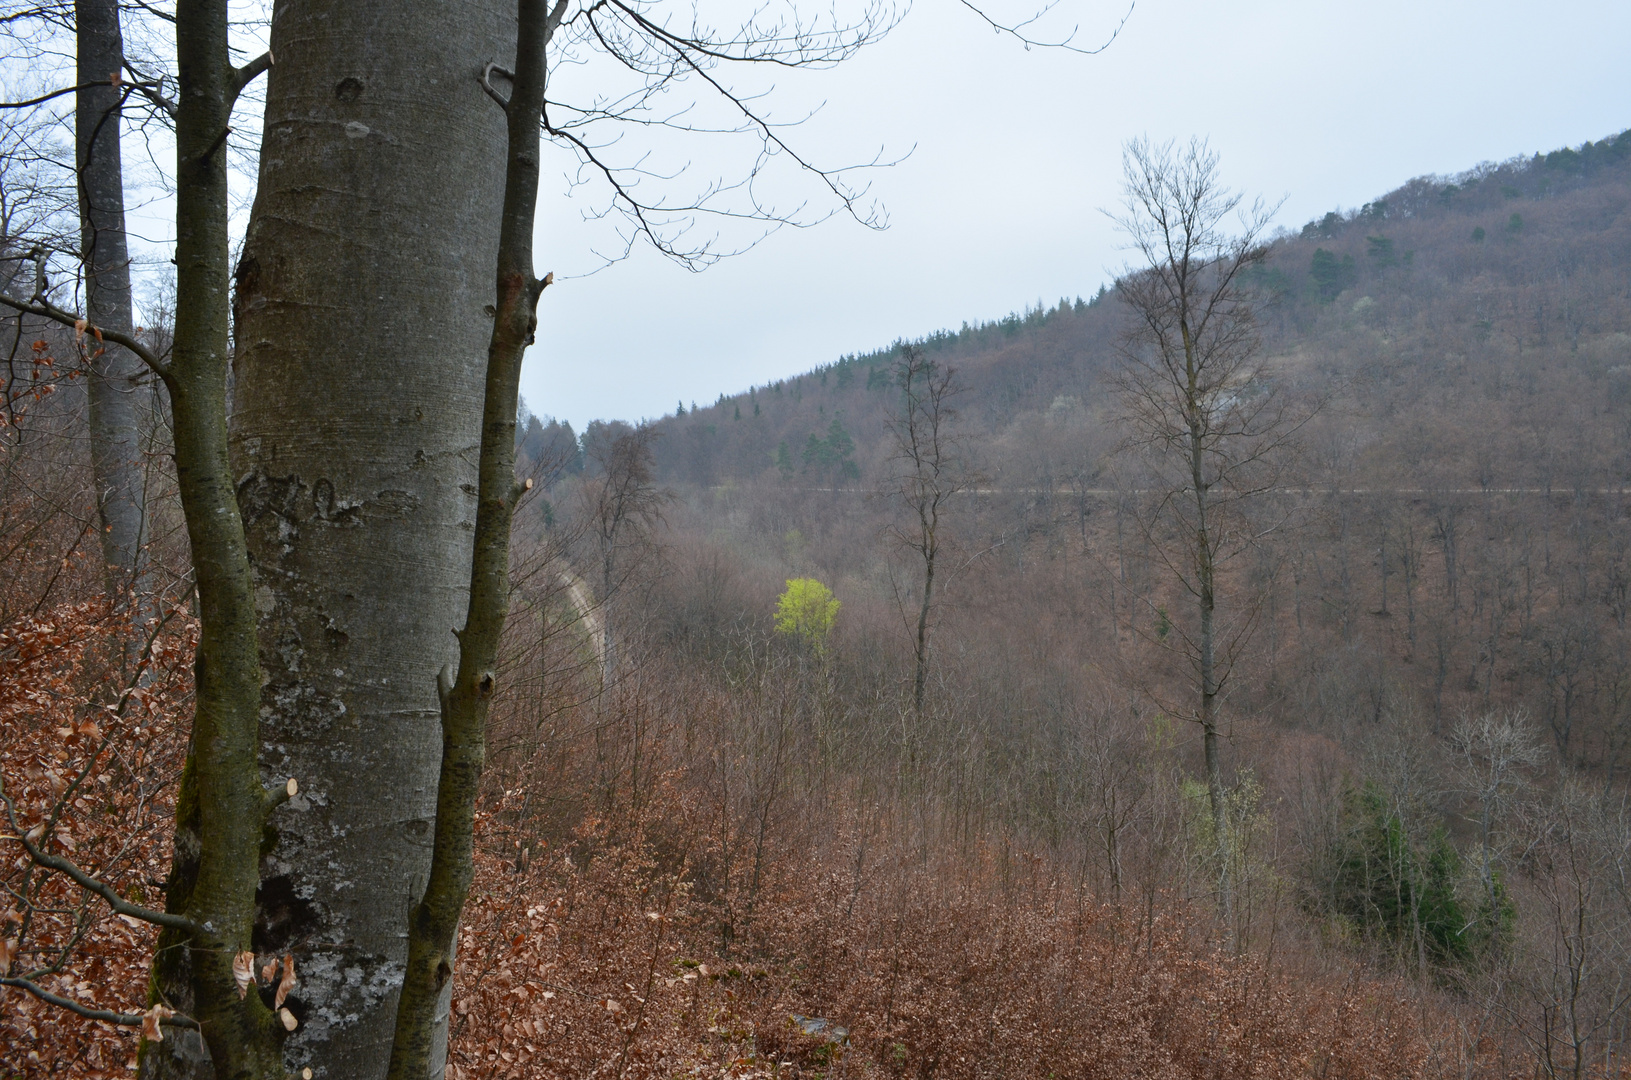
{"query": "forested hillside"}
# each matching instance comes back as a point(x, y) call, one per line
point(915, 716)
point(1505, 285)
point(1425, 711)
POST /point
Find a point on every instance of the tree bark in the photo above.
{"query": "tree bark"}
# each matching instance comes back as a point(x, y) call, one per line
point(222, 808)
point(1206, 601)
point(116, 466)
point(363, 307)
point(920, 676)
point(433, 927)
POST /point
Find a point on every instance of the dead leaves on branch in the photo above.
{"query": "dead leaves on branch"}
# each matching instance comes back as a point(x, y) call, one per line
point(152, 1022)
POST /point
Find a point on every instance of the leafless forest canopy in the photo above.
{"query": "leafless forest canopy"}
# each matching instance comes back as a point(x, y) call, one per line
point(1426, 705)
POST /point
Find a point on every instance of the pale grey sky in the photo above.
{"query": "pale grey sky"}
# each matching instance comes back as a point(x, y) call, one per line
point(1329, 104)
point(1009, 154)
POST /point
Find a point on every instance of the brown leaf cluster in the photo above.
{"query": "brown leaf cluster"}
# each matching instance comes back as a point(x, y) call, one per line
point(91, 739)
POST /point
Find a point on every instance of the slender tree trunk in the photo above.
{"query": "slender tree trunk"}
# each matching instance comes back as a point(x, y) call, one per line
point(608, 634)
point(433, 927)
point(363, 307)
point(222, 807)
point(116, 466)
point(1206, 587)
point(921, 676)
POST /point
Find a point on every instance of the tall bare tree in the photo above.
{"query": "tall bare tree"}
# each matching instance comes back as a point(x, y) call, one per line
point(928, 475)
point(1208, 418)
point(622, 503)
point(116, 460)
point(419, 1042)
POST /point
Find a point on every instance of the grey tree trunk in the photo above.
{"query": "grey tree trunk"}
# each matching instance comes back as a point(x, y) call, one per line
point(116, 464)
point(363, 318)
point(1203, 559)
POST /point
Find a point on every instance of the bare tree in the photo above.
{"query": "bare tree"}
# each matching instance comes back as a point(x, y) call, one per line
point(427, 985)
point(622, 503)
point(928, 474)
point(88, 185)
point(1198, 404)
point(115, 371)
point(1495, 750)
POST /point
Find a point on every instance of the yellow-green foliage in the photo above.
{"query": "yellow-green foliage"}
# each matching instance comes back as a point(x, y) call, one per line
point(806, 611)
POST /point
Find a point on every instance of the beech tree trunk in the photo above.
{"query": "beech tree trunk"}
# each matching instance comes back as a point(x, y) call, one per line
point(465, 697)
point(363, 302)
point(115, 452)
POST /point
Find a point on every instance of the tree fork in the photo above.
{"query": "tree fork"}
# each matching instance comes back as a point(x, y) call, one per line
point(466, 698)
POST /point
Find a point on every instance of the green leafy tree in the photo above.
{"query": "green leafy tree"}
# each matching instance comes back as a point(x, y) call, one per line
point(784, 460)
point(839, 444)
point(805, 612)
point(1398, 884)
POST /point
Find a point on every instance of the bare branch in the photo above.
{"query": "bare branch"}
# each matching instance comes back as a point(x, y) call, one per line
point(42, 307)
point(55, 94)
point(104, 1015)
point(119, 904)
point(251, 71)
point(1015, 29)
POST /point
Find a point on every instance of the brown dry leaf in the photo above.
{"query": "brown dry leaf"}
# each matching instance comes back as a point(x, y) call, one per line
point(612, 1006)
point(286, 983)
point(289, 1022)
point(8, 949)
point(79, 328)
point(243, 972)
point(151, 1031)
point(268, 970)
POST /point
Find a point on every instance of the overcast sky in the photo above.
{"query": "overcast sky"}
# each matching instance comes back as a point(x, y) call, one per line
point(1013, 152)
